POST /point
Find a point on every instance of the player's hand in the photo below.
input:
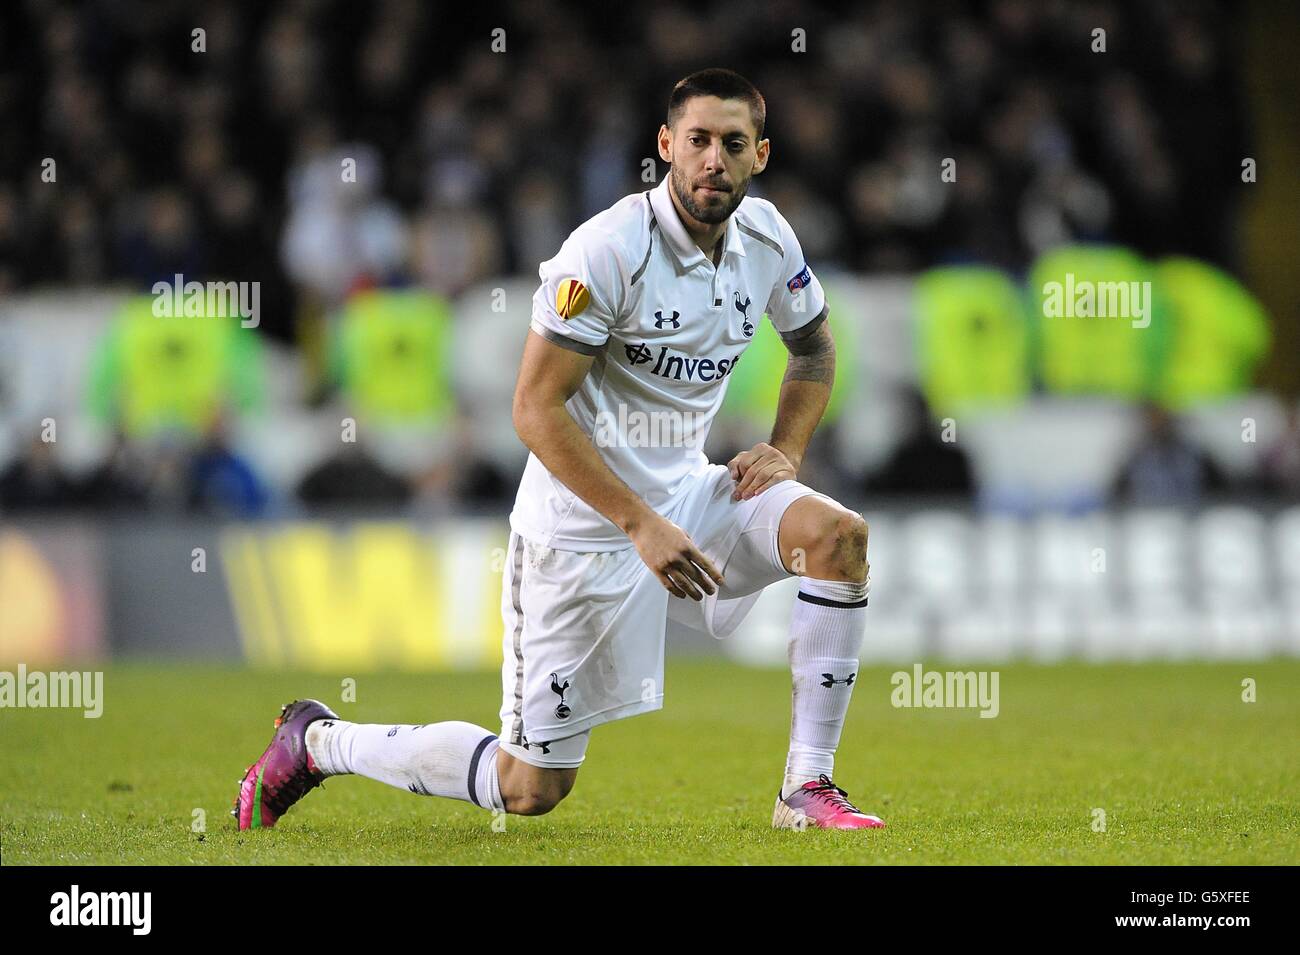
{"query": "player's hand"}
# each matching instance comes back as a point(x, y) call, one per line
point(673, 557)
point(757, 469)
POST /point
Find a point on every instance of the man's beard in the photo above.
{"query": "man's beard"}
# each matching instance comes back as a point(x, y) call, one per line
point(713, 213)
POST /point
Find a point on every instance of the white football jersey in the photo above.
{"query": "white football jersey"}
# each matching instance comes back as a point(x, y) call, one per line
point(666, 329)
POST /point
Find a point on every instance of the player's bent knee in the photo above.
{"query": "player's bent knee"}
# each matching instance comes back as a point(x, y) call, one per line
point(532, 804)
point(843, 549)
point(538, 800)
point(529, 790)
point(851, 534)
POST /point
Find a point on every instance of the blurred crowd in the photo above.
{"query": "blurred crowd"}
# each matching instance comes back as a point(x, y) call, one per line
point(208, 139)
point(473, 163)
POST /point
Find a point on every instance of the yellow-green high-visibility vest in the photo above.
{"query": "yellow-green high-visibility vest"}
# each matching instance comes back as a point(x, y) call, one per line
point(173, 371)
point(1220, 333)
point(1101, 321)
point(393, 351)
point(972, 338)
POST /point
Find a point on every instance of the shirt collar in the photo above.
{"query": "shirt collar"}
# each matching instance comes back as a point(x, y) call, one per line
point(679, 240)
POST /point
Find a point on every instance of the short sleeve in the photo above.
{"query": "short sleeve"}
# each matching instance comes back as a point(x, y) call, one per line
point(797, 304)
point(581, 293)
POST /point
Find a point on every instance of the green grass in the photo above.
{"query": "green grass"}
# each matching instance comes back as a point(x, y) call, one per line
point(1186, 772)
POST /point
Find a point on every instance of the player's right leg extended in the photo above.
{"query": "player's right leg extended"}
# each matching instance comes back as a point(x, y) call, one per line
point(453, 759)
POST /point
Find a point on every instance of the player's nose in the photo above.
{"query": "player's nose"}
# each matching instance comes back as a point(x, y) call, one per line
point(713, 158)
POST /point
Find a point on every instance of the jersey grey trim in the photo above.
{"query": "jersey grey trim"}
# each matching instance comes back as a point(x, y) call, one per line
point(766, 240)
point(564, 341)
point(803, 331)
point(654, 219)
point(654, 224)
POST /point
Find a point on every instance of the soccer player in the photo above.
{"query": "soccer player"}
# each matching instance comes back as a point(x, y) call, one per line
point(620, 521)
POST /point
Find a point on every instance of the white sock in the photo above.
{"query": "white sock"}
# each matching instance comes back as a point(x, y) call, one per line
point(453, 759)
point(826, 635)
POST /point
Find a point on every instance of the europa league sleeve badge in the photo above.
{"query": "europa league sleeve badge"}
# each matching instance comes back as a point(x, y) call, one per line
point(571, 298)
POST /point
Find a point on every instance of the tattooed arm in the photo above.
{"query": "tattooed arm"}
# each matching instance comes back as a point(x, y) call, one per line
point(805, 392)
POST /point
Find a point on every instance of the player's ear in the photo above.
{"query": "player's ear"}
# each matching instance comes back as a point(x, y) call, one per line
point(761, 155)
point(665, 143)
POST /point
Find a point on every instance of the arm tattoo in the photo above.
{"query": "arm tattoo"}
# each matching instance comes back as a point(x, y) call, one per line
point(812, 358)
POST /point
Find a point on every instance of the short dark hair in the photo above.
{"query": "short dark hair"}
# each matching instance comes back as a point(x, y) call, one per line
point(724, 84)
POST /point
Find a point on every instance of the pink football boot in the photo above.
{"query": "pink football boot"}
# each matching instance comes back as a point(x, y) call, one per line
point(285, 772)
point(820, 804)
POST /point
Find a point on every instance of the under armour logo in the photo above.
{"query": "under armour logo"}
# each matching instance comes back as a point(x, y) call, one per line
point(639, 353)
point(748, 326)
point(326, 722)
point(545, 747)
point(659, 319)
point(562, 711)
point(828, 679)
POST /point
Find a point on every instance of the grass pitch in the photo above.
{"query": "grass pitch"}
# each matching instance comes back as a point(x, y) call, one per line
point(1184, 770)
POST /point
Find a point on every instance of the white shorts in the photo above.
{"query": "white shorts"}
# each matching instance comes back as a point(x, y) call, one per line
point(584, 631)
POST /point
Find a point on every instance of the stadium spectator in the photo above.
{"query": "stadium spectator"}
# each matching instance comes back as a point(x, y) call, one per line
point(351, 477)
point(36, 481)
point(922, 463)
point(222, 483)
point(1280, 462)
point(1166, 468)
point(115, 484)
point(465, 473)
